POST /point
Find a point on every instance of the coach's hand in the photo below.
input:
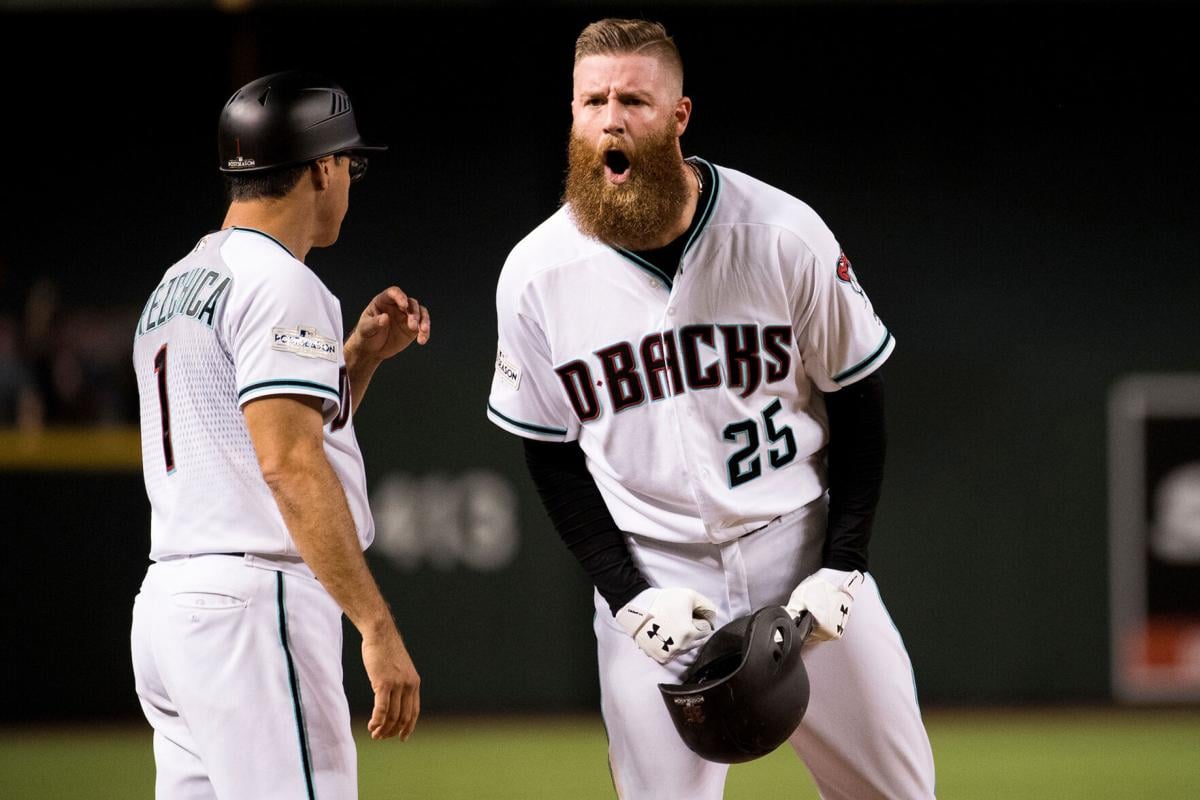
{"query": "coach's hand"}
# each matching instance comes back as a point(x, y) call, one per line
point(666, 622)
point(390, 322)
point(827, 595)
point(396, 684)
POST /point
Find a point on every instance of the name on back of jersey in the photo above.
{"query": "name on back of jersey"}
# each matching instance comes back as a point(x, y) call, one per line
point(193, 294)
point(304, 340)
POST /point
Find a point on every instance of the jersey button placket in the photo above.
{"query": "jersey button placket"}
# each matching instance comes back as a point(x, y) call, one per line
point(684, 413)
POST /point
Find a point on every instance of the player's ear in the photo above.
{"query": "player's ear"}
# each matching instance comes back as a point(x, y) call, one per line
point(683, 113)
point(320, 172)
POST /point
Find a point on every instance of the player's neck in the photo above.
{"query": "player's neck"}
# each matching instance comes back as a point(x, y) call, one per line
point(287, 223)
point(689, 210)
point(695, 186)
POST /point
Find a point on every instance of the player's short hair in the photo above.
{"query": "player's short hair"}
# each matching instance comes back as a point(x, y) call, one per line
point(268, 184)
point(610, 36)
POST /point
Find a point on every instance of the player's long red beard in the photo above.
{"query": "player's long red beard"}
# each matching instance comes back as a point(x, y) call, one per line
point(635, 214)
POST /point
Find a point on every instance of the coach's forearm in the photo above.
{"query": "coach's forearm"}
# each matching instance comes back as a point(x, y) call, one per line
point(313, 504)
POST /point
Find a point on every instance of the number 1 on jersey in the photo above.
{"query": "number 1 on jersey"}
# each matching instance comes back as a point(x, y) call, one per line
point(160, 370)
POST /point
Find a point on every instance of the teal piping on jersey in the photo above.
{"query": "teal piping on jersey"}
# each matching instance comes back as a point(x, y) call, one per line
point(713, 197)
point(866, 362)
point(262, 233)
point(294, 384)
point(705, 216)
point(527, 426)
point(294, 683)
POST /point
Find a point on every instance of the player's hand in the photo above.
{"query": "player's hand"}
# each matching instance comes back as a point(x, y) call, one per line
point(390, 322)
point(666, 622)
point(396, 684)
point(827, 595)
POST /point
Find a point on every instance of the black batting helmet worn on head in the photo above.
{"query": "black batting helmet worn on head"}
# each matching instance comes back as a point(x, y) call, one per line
point(285, 119)
point(747, 691)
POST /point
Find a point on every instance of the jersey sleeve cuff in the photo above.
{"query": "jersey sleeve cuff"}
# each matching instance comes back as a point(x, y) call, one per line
point(869, 364)
point(284, 386)
point(527, 430)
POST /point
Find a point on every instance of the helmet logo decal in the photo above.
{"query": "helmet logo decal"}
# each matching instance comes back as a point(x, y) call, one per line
point(692, 708)
point(237, 162)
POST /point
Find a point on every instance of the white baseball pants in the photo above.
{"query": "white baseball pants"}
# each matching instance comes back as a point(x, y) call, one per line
point(238, 668)
point(862, 736)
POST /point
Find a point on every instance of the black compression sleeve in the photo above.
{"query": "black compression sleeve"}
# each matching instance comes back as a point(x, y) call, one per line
point(857, 446)
point(574, 504)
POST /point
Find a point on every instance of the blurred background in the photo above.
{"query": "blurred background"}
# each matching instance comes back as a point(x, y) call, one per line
point(1015, 183)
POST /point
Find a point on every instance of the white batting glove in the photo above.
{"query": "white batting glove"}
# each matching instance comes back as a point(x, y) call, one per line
point(666, 622)
point(827, 595)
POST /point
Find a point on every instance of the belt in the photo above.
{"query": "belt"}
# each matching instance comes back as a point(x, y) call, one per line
point(291, 564)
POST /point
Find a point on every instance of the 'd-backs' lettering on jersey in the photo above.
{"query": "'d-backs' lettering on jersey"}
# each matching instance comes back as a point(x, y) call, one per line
point(692, 395)
point(237, 319)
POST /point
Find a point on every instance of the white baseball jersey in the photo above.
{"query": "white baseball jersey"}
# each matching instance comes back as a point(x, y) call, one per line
point(690, 393)
point(237, 319)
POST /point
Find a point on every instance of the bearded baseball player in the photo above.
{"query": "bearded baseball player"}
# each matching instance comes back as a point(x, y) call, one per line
point(258, 497)
point(693, 368)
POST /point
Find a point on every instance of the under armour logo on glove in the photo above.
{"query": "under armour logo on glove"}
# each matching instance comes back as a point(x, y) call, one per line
point(827, 595)
point(675, 620)
point(667, 642)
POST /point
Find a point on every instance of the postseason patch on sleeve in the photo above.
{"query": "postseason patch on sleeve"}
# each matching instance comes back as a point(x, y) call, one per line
point(304, 341)
point(507, 369)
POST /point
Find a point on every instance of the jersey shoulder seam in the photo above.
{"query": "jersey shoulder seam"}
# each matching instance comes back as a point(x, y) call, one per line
point(751, 190)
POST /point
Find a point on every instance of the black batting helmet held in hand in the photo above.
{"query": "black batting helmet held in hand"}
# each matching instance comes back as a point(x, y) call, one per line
point(747, 691)
point(284, 119)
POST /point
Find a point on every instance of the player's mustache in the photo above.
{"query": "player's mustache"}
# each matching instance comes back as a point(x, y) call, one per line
point(609, 142)
point(591, 155)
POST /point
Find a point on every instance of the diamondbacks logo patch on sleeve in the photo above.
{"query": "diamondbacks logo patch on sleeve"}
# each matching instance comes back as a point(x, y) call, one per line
point(507, 369)
point(846, 274)
point(304, 341)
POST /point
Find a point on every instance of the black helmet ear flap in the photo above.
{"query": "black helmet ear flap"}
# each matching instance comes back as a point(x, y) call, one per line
point(747, 691)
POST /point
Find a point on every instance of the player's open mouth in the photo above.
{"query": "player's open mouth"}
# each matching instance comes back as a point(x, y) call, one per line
point(616, 166)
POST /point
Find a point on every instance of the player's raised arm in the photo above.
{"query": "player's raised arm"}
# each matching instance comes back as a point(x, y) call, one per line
point(287, 436)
